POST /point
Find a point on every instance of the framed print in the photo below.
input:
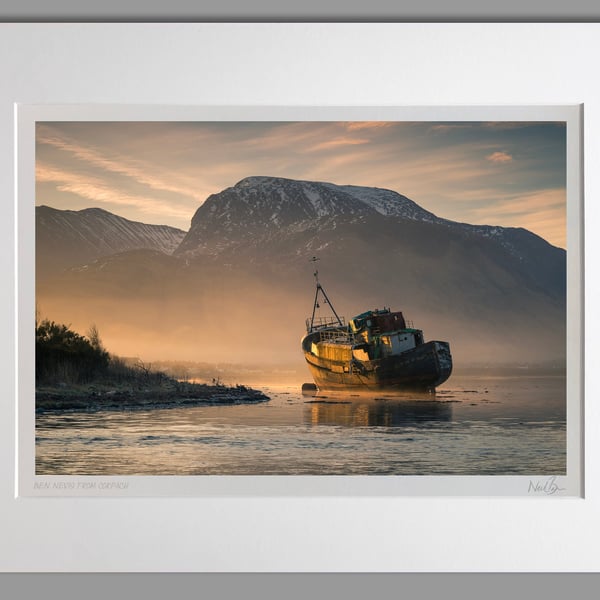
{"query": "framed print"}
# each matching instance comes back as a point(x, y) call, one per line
point(180, 323)
point(171, 241)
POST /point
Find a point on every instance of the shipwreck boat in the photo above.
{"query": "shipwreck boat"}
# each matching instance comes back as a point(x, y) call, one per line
point(375, 350)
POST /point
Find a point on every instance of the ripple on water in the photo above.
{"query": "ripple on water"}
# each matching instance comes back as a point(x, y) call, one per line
point(518, 429)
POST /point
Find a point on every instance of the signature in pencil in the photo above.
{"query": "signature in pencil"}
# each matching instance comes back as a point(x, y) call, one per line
point(547, 487)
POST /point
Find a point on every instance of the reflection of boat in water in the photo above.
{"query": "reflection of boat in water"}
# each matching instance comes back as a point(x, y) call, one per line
point(376, 350)
point(377, 413)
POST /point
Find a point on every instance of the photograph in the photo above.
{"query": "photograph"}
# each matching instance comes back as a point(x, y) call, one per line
point(301, 298)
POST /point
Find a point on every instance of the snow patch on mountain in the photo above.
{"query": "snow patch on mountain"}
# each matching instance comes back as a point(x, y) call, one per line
point(266, 208)
point(321, 199)
point(387, 202)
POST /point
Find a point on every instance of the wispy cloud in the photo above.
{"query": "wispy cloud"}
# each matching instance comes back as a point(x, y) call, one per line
point(337, 143)
point(448, 127)
point(508, 125)
point(99, 192)
point(361, 125)
point(499, 157)
point(111, 162)
point(542, 211)
point(520, 204)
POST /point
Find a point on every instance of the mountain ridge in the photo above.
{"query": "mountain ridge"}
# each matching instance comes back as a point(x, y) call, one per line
point(257, 205)
point(242, 274)
point(66, 238)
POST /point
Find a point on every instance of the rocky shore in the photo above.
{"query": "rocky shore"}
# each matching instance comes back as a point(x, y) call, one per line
point(95, 397)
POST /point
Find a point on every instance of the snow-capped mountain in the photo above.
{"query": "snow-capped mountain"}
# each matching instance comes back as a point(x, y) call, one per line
point(263, 209)
point(267, 205)
point(242, 274)
point(66, 238)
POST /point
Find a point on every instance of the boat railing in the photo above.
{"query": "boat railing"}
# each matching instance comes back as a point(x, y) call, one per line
point(336, 336)
point(320, 322)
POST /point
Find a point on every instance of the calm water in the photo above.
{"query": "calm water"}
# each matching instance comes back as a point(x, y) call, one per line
point(473, 426)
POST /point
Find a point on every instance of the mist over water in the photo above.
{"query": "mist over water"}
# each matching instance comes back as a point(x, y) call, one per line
point(474, 425)
point(263, 326)
point(247, 302)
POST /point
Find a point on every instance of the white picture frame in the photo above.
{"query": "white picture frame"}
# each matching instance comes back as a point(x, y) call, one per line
point(249, 521)
point(424, 484)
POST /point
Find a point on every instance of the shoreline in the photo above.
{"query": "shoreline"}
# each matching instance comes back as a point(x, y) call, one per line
point(96, 397)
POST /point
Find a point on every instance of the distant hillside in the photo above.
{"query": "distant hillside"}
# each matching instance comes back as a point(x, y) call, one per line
point(67, 238)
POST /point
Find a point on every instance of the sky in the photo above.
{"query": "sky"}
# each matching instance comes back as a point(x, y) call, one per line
point(511, 174)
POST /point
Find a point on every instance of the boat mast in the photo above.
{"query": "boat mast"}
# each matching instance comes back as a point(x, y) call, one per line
point(319, 288)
